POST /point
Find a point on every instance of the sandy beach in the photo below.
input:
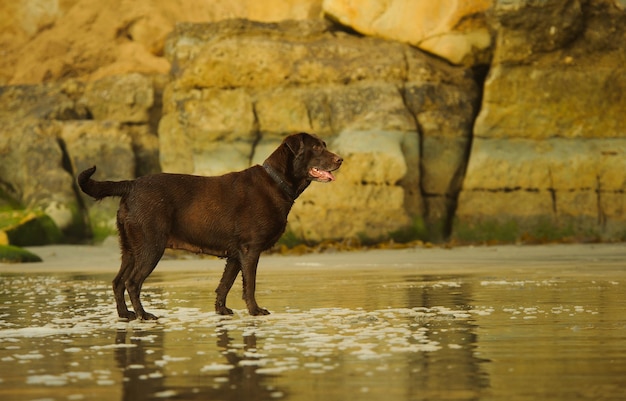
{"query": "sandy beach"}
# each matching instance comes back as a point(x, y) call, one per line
point(506, 322)
point(102, 258)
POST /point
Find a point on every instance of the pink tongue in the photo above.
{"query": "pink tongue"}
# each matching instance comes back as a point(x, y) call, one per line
point(328, 175)
point(325, 175)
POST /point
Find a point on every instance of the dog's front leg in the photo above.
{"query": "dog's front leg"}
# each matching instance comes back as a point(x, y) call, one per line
point(228, 278)
point(249, 262)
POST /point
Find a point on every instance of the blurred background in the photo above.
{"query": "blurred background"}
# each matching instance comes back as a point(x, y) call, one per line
point(459, 121)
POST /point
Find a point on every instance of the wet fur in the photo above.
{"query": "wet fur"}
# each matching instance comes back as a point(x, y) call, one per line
point(235, 216)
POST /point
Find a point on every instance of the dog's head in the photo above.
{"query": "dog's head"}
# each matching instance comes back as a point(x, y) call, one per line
point(312, 158)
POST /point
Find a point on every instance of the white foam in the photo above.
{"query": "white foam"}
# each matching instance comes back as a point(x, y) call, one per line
point(216, 367)
point(41, 331)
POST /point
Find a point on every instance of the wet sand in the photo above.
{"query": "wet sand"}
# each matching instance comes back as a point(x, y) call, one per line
point(468, 323)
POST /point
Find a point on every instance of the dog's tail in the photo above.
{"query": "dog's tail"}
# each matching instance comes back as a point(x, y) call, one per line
point(102, 189)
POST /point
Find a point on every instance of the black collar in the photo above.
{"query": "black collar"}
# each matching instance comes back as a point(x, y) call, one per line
point(281, 183)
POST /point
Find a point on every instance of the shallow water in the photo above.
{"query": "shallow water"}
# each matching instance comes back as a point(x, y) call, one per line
point(337, 332)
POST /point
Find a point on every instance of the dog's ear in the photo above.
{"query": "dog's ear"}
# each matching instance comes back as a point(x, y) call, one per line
point(295, 143)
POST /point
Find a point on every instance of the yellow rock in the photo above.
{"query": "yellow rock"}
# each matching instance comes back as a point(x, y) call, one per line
point(451, 29)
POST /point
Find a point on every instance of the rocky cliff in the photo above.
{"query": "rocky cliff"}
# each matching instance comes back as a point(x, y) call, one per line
point(432, 149)
point(402, 120)
point(549, 149)
point(51, 132)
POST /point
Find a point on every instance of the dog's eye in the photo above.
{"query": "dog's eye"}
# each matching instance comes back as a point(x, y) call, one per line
point(317, 148)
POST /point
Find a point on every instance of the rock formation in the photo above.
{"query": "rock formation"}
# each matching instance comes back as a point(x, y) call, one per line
point(534, 152)
point(455, 30)
point(548, 158)
point(51, 132)
point(49, 40)
point(401, 119)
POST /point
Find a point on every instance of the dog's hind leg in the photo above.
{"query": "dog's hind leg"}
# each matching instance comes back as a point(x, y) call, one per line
point(147, 244)
point(144, 265)
point(128, 261)
point(233, 266)
point(119, 286)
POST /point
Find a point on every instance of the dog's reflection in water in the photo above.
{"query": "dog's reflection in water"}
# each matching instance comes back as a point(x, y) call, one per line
point(146, 377)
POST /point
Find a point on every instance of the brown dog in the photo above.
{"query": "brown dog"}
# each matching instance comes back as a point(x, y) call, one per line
point(235, 216)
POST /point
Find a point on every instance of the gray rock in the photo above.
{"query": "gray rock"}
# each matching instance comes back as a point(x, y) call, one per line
point(33, 166)
point(123, 98)
point(547, 159)
point(48, 135)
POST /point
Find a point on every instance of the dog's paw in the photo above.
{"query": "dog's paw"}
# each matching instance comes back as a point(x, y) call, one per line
point(148, 316)
point(258, 311)
point(127, 316)
point(223, 310)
